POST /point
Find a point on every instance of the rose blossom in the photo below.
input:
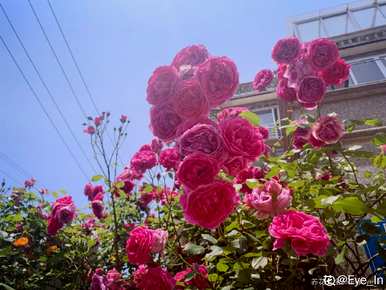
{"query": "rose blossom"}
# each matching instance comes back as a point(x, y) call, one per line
point(123, 118)
point(297, 71)
point(270, 200)
point(98, 121)
point(300, 137)
point(262, 79)
point(189, 123)
point(189, 100)
point(322, 53)
point(328, 129)
point(169, 158)
point(286, 50)
point(235, 164)
point(63, 212)
point(230, 113)
point(284, 92)
point(29, 182)
point(191, 55)
point(248, 173)
point(91, 191)
point(98, 207)
point(156, 145)
point(126, 178)
point(242, 138)
point(113, 280)
point(143, 242)
point(161, 85)
point(305, 232)
point(98, 281)
point(219, 79)
point(164, 122)
point(143, 160)
point(199, 280)
point(337, 73)
point(197, 169)
point(311, 91)
point(201, 138)
point(146, 198)
point(209, 205)
point(89, 130)
point(151, 278)
point(316, 143)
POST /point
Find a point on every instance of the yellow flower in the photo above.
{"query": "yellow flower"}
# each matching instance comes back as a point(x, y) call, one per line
point(53, 249)
point(21, 242)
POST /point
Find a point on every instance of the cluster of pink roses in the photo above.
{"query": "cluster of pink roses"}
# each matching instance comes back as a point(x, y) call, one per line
point(326, 130)
point(262, 79)
point(63, 212)
point(94, 123)
point(112, 280)
point(305, 70)
point(196, 276)
point(270, 199)
point(95, 195)
point(29, 182)
point(305, 233)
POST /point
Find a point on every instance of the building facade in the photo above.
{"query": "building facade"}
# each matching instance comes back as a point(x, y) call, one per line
point(359, 29)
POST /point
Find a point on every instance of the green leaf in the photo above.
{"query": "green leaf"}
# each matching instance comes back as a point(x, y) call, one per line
point(209, 238)
point(351, 205)
point(148, 188)
point(193, 249)
point(222, 267)
point(215, 251)
point(252, 183)
point(339, 259)
point(373, 122)
point(6, 287)
point(251, 117)
point(212, 277)
point(259, 262)
point(274, 171)
point(96, 178)
point(379, 139)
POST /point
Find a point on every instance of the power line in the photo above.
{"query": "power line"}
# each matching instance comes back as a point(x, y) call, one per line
point(41, 104)
point(10, 177)
point(46, 87)
point(19, 168)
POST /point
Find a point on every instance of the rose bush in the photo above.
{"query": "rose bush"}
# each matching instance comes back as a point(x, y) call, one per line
point(215, 206)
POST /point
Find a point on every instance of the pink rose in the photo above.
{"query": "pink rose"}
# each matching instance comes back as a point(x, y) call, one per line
point(264, 132)
point(164, 122)
point(98, 207)
point(89, 130)
point(300, 137)
point(189, 100)
point(161, 85)
point(189, 123)
point(305, 232)
point(311, 91)
point(91, 191)
point(230, 113)
point(113, 280)
point(316, 143)
point(322, 53)
point(286, 50)
point(98, 281)
point(337, 73)
point(297, 71)
point(328, 129)
point(219, 79)
point(242, 138)
point(151, 278)
point(145, 147)
point(123, 119)
point(262, 79)
point(248, 173)
point(145, 199)
point(63, 212)
point(235, 164)
point(284, 92)
point(191, 55)
point(201, 138)
point(199, 279)
point(98, 121)
point(143, 160)
point(169, 158)
point(270, 200)
point(126, 178)
point(29, 182)
point(209, 205)
point(197, 169)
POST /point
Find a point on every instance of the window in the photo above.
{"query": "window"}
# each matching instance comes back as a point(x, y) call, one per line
point(368, 70)
point(269, 118)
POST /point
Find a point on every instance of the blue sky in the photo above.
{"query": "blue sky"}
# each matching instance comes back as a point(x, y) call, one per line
point(118, 44)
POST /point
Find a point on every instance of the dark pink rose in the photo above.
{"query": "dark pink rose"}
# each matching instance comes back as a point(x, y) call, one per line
point(219, 79)
point(151, 278)
point(161, 85)
point(114, 280)
point(29, 182)
point(98, 281)
point(191, 55)
point(145, 147)
point(262, 79)
point(305, 233)
point(63, 212)
point(264, 132)
point(297, 71)
point(235, 164)
point(91, 191)
point(126, 178)
point(169, 158)
point(89, 130)
point(242, 138)
point(164, 122)
point(300, 137)
point(286, 50)
point(248, 173)
point(98, 121)
point(311, 91)
point(189, 100)
point(230, 113)
point(316, 143)
point(189, 123)
point(328, 129)
point(143, 160)
point(123, 119)
point(201, 138)
point(145, 199)
point(197, 169)
point(284, 92)
point(322, 53)
point(199, 279)
point(98, 207)
point(209, 205)
point(336, 73)
point(326, 175)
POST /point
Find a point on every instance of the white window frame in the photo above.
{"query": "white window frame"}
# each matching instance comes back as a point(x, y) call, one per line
point(377, 59)
point(275, 112)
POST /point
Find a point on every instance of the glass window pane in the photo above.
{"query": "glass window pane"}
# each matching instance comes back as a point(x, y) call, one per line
point(309, 30)
point(366, 72)
point(268, 120)
point(335, 25)
point(380, 18)
point(364, 17)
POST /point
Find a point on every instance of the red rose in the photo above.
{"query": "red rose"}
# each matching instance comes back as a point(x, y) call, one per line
point(143, 160)
point(202, 138)
point(286, 50)
point(219, 79)
point(262, 79)
point(150, 278)
point(161, 85)
point(316, 143)
point(284, 92)
point(189, 100)
point(241, 138)
point(209, 205)
point(235, 164)
point(197, 169)
point(169, 158)
point(337, 73)
point(328, 129)
point(322, 53)
point(191, 55)
point(301, 137)
point(164, 122)
point(311, 91)
point(249, 173)
point(230, 113)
